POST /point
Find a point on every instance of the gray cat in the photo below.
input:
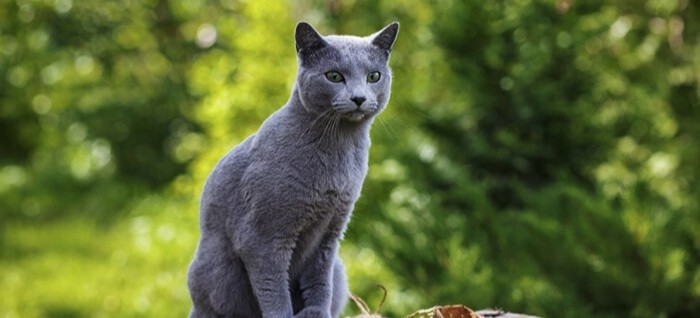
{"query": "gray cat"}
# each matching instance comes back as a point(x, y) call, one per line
point(275, 207)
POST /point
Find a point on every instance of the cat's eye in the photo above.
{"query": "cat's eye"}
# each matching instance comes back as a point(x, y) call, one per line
point(374, 77)
point(334, 76)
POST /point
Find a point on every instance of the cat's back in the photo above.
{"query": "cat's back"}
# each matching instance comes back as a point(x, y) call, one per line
point(224, 181)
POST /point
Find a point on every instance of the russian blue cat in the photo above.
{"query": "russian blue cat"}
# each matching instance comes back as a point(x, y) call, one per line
point(275, 207)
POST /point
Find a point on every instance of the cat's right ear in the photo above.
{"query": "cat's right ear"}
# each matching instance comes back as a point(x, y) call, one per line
point(307, 39)
point(384, 38)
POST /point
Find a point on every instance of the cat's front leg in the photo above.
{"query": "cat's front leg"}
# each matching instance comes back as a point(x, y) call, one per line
point(316, 288)
point(267, 264)
point(316, 280)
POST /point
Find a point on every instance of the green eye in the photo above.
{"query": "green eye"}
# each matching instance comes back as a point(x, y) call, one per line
point(334, 76)
point(374, 77)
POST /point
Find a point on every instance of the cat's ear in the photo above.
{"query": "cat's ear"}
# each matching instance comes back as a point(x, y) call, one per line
point(384, 39)
point(307, 39)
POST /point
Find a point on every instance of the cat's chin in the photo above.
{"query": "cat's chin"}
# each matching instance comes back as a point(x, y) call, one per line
point(357, 116)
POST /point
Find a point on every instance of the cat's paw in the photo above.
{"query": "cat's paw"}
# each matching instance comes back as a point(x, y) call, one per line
point(313, 312)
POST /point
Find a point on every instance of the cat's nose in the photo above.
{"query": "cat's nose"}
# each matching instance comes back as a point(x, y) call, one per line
point(358, 100)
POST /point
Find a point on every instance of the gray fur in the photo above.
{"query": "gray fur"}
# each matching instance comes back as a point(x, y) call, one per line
point(274, 208)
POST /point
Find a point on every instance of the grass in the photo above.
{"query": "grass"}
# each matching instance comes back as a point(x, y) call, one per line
point(135, 267)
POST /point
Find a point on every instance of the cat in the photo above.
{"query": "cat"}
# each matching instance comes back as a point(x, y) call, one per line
point(274, 208)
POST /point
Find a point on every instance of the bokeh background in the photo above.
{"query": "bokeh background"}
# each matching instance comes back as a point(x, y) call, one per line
point(541, 156)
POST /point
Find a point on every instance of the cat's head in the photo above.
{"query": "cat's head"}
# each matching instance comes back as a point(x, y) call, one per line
point(345, 76)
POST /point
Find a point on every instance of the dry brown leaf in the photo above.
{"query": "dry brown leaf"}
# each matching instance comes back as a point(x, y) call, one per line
point(452, 311)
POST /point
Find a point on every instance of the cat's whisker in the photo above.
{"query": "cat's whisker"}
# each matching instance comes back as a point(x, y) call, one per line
point(329, 123)
point(404, 124)
point(336, 126)
point(384, 126)
point(317, 120)
point(420, 113)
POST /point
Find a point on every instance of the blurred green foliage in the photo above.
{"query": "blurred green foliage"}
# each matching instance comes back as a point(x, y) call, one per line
point(537, 155)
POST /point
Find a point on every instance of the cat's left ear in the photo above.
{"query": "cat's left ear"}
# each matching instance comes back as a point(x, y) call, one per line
point(384, 39)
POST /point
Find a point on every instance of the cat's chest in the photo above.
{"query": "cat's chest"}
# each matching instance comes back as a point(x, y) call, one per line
point(339, 174)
